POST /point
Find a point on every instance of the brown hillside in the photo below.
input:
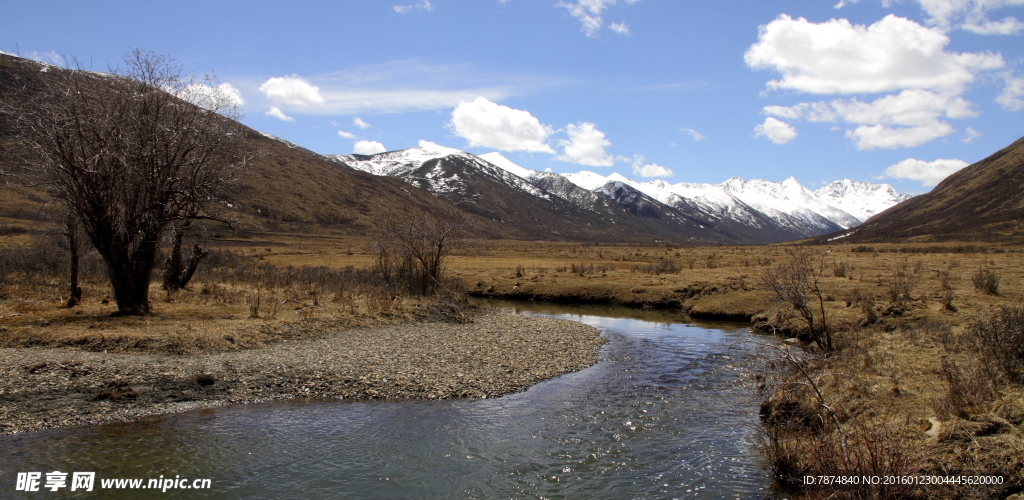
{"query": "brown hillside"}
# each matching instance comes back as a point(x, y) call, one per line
point(982, 202)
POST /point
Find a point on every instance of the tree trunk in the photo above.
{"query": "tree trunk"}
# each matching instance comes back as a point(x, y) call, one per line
point(130, 277)
point(176, 276)
point(75, 291)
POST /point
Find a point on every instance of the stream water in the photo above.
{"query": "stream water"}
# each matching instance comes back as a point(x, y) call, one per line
point(662, 415)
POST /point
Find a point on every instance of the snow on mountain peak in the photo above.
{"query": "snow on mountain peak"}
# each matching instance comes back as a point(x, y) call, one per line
point(587, 179)
point(432, 147)
point(507, 165)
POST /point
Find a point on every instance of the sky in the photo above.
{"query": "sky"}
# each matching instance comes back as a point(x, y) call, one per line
point(904, 92)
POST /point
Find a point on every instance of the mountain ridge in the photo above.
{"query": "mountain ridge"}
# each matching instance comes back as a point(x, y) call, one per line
point(735, 211)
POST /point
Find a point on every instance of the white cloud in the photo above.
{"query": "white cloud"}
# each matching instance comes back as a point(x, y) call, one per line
point(775, 130)
point(347, 135)
point(292, 90)
point(368, 148)
point(650, 169)
point(837, 57)
point(970, 135)
point(277, 113)
point(357, 121)
point(585, 146)
point(929, 173)
point(697, 136)
point(589, 14)
point(397, 86)
point(1010, 97)
point(971, 15)
point(883, 137)
point(1007, 26)
point(425, 5)
point(486, 124)
point(916, 114)
point(891, 55)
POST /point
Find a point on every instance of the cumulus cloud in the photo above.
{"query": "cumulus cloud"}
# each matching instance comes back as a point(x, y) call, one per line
point(368, 148)
point(837, 57)
point(487, 124)
point(585, 146)
point(901, 120)
point(620, 28)
point(883, 137)
point(697, 136)
point(775, 130)
point(277, 113)
point(970, 135)
point(360, 123)
point(650, 169)
point(970, 15)
point(1010, 97)
point(292, 90)
point(929, 173)
point(891, 55)
point(347, 135)
point(425, 5)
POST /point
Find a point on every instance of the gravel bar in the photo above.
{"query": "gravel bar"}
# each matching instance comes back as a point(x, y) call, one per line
point(496, 354)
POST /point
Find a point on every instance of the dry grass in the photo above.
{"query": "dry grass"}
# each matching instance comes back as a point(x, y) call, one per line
point(900, 316)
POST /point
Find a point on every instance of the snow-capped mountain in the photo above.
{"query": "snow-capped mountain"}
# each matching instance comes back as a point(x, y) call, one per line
point(840, 205)
point(428, 166)
point(860, 199)
point(736, 210)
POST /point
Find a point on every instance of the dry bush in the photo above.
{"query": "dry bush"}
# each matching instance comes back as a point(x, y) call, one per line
point(840, 268)
point(986, 281)
point(999, 339)
point(582, 269)
point(901, 284)
point(656, 268)
point(797, 280)
point(968, 389)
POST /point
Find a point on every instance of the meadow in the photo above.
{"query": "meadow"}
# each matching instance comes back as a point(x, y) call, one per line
point(920, 378)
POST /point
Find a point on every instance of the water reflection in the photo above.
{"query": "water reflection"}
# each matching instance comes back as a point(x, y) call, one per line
point(661, 416)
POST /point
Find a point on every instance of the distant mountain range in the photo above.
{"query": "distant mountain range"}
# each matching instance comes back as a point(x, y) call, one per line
point(735, 211)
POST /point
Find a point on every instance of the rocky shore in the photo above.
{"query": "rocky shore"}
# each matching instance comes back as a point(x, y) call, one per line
point(493, 355)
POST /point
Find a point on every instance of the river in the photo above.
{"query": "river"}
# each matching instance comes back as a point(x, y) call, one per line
point(662, 415)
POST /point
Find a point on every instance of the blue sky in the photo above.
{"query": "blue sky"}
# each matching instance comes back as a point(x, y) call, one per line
point(905, 91)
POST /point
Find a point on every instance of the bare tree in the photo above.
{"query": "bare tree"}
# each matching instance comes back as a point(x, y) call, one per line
point(796, 280)
point(422, 241)
point(129, 154)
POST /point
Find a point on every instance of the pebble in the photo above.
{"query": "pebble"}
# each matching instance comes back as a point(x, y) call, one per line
point(495, 354)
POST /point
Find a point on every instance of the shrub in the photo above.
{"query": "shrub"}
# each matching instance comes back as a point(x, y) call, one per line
point(999, 339)
point(797, 280)
point(901, 284)
point(986, 281)
point(656, 268)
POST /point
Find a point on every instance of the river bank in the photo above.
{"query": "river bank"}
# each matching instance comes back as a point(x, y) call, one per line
point(494, 354)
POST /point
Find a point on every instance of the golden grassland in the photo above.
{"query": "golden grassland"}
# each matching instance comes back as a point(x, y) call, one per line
point(904, 384)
